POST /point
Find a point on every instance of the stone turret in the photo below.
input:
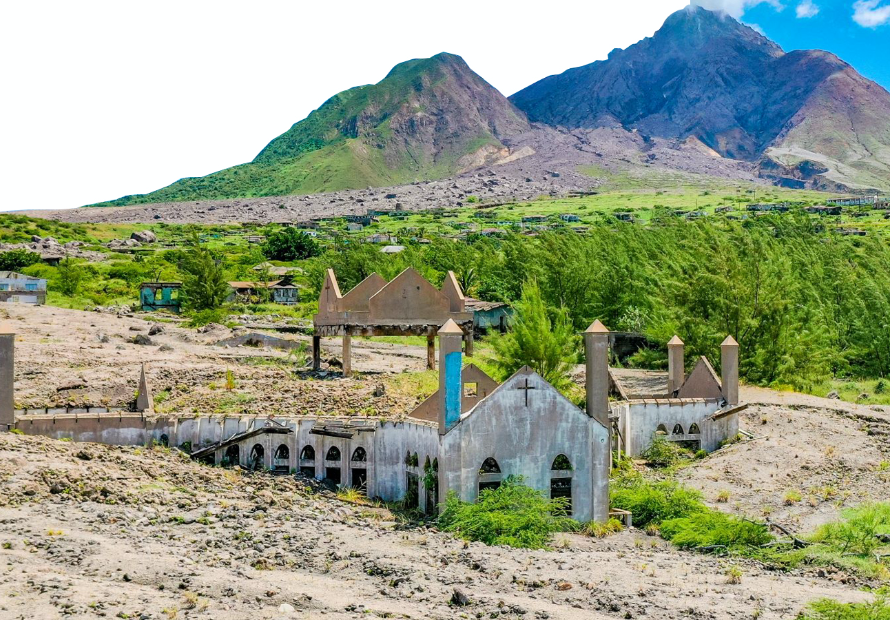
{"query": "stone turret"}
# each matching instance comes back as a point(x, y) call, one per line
point(450, 362)
point(596, 384)
point(676, 370)
point(729, 370)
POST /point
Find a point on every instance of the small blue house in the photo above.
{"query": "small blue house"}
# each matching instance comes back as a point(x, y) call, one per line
point(19, 288)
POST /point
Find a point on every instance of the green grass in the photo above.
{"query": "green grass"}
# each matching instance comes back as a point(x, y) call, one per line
point(849, 390)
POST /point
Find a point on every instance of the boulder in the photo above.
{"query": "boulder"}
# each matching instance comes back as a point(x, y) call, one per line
point(144, 236)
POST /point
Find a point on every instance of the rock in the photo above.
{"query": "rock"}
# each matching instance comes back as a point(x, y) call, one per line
point(562, 586)
point(144, 236)
point(459, 599)
point(83, 455)
point(143, 340)
point(165, 348)
point(833, 395)
point(863, 396)
point(155, 329)
point(284, 608)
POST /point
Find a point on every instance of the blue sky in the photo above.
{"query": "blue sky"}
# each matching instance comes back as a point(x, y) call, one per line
point(858, 31)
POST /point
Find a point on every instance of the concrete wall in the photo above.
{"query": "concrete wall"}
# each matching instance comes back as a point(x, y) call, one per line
point(429, 409)
point(385, 447)
point(525, 440)
point(640, 419)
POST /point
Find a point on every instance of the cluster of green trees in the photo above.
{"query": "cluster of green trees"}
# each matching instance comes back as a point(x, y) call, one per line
point(804, 303)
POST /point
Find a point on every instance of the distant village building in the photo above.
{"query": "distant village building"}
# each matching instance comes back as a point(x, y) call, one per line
point(825, 210)
point(282, 291)
point(489, 315)
point(160, 296)
point(569, 217)
point(19, 288)
point(354, 226)
point(625, 217)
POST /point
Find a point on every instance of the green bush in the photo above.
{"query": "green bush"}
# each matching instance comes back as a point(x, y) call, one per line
point(832, 610)
point(203, 317)
point(16, 260)
point(513, 515)
point(859, 530)
point(655, 502)
point(713, 528)
point(664, 453)
point(290, 244)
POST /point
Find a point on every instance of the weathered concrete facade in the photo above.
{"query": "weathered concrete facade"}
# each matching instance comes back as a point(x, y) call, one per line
point(21, 288)
point(700, 410)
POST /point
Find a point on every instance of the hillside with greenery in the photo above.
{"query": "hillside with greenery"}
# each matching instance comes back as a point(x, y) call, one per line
point(418, 122)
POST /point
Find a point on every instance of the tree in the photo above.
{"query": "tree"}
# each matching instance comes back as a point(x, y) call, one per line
point(549, 347)
point(203, 285)
point(289, 244)
point(70, 276)
point(16, 260)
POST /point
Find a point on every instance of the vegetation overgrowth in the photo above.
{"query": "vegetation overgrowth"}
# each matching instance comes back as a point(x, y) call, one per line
point(513, 515)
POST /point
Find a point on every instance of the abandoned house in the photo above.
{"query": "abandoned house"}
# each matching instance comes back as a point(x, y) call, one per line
point(280, 291)
point(407, 306)
point(160, 296)
point(19, 288)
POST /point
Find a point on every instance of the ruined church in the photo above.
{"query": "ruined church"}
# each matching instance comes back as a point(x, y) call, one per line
point(469, 436)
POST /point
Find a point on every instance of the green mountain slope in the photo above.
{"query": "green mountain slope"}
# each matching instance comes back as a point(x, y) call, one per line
point(428, 119)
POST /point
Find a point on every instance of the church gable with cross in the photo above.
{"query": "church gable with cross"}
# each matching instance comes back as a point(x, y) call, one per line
point(524, 427)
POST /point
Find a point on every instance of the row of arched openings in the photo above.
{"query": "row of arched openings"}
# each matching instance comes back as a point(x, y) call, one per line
point(678, 429)
point(332, 465)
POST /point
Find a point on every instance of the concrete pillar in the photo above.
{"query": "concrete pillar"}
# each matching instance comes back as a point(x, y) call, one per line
point(7, 377)
point(431, 352)
point(596, 383)
point(347, 355)
point(468, 342)
point(676, 365)
point(316, 352)
point(729, 370)
point(450, 337)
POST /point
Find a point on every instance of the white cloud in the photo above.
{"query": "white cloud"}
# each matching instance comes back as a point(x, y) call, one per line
point(871, 13)
point(736, 8)
point(806, 9)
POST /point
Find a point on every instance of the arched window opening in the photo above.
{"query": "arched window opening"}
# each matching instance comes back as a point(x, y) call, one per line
point(281, 461)
point(561, 485)
point(694, 430)
point(678, 430)
point(561, 463)
point(489, 475)
point(661, 430)
point(333, 454)
point(408, 458)
point(359, 455)
point(307, 461)
point(257, 457)
point(164, 440)
point(435, 464)
point(427, 466)
point(490, 466)
point(232, 456)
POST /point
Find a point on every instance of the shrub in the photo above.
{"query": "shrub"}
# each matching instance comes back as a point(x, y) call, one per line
point(713, 529)
point(601, 530)
point(16, 260)
point(664, 453)
point(832, 610)
point(289, 244)
point(513, 514)
point(655, 502)
point(859, 530)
